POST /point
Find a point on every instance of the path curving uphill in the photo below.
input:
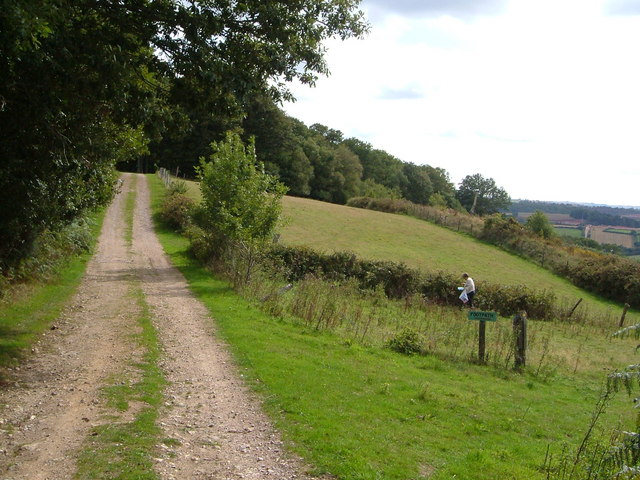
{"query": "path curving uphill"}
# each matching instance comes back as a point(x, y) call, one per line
point(217, 428)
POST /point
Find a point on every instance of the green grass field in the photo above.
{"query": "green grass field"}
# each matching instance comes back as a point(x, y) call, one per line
point(569, 232)
point(382, 236)
point(360, 411)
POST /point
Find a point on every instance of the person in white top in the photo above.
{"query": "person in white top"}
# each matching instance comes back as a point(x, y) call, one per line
point(469, 288)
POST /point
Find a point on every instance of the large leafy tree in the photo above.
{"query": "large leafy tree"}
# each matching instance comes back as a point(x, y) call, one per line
point(87, 83)
point(74, 93)
point(481, 195)
point(378, 165)
point(279, 144)
point(418, 187)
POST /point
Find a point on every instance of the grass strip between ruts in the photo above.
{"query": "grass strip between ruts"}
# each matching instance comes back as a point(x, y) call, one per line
point(125, 450)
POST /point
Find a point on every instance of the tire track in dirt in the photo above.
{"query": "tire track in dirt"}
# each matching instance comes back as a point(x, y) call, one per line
point(222, 432)
point(55, 399)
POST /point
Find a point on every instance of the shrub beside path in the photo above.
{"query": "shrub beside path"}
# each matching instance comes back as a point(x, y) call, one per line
point(216, 425)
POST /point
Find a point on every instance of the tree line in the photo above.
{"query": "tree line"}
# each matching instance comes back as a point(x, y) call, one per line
point(87, 85)
point(318, 162)
point(595, 215)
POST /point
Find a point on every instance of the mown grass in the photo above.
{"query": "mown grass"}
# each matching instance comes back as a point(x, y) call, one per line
point(124, 449)
point(360, 411)
point(32, 308)
point(129, 206)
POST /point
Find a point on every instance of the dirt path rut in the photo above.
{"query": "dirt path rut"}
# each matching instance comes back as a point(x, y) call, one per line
point(216, 424)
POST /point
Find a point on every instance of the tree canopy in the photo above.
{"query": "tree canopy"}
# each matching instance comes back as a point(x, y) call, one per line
point(85, 84)
point(481, 195)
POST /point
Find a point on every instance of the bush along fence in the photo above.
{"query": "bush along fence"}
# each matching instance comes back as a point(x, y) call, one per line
point(445, 217)
point(399, 281)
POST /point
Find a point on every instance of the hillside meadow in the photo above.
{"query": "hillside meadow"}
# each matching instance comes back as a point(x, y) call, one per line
point(357, 410)
point(376, 235)
point(419, 244)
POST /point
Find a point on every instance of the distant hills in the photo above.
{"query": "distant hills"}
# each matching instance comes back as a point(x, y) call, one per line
point(586, 213)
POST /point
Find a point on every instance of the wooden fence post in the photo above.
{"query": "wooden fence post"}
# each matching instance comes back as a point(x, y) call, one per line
point(482, 328)
point(520, 337)
point(574, 308)
point(624, 314)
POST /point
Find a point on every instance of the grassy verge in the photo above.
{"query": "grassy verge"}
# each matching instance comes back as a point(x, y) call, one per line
point(129, 206)
point(123, 449)
point(28, 313)
point(364, 412)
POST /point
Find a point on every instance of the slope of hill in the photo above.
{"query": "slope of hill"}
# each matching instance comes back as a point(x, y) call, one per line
point(419, 244)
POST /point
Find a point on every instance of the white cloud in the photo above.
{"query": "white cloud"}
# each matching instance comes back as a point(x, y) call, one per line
point(543, 97)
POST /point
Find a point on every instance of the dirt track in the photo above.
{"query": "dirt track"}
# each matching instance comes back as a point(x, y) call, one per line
point(54, 400)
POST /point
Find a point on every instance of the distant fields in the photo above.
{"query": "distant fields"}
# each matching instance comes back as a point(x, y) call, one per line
point(615, 236)
point(572, 232)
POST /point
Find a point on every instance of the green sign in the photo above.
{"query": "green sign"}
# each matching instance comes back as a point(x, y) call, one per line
point(483, 316)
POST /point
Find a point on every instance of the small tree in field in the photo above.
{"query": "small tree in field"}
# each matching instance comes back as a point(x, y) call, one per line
point(539, 224)
point(241, 204)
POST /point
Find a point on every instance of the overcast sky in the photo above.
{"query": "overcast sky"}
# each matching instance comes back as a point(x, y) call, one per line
point(543, 96)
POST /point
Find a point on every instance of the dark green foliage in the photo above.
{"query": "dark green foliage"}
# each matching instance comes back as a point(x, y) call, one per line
point(481, 196)
point(418, 187)
point(546, 207)
point(509, 300)
point(50, 251)
point(439, 287)
point(612, 277)
point(498, 228)
point(239, 200)
point(406, 341)
point(596, 217)
point(399, 281)
point(539, 224)
point(85, 85)
point(67, 80)
point(387, 205)
point(318, 162)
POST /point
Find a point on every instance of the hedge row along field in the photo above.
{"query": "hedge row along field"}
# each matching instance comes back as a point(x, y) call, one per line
point(399, 281)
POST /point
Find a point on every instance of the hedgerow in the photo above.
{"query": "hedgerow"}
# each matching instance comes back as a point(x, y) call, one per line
point(399, 281)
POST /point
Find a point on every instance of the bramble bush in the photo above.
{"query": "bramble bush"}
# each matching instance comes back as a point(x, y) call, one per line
point(407, 341)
